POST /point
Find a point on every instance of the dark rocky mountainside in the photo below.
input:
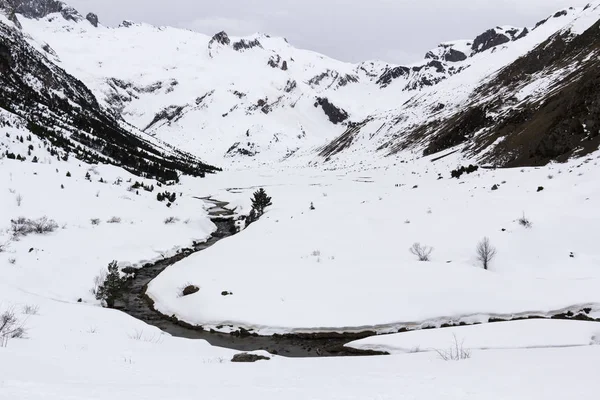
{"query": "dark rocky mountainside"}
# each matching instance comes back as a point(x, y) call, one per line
point(542, 107)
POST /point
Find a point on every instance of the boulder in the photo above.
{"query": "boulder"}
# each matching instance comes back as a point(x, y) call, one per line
point(247, 357)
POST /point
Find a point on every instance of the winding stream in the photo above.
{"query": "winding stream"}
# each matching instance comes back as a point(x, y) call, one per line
point(136, 303)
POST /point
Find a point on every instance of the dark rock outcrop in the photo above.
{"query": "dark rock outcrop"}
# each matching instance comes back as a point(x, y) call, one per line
point(190, 289)
point(453, 55)
point(488, 39)
point(220, 38)
point(335, 114)
point(247, 357)
point(42, 8)
point(93, 19)
point(392, 73)
point(246, 44)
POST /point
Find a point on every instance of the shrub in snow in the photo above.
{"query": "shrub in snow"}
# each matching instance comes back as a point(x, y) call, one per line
point(68, 174)
point(540, 188)
point(422, 252)
point(260, 201)
point(4, 246)
point(110, 290)
point(95, 221)
point(485, 252)
point(525, 222)
point(12, 261)
point(114, 220)
point(456, 352)
point(31, 309)
point(23, 226)
point(10, 327)
point(312, 206)
point(19, 199)
point(171, 220)
point(462, 170)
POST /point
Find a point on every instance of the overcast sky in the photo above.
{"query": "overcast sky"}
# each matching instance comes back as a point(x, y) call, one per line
point(399, 31)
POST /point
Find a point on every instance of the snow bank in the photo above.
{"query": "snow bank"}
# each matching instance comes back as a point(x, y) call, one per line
point(502, 335)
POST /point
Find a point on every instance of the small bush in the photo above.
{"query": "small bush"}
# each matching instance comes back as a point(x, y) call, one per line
point(114, 220)
point(12, 261)
point(10, 327)
point(462, 170)
point(4, 246)
point(171, 220)
point(524, 221)
point(23, 226)
point(19, 199)
point(31, 309)
point(422, 252)
point(456, 352)
point(95, 221)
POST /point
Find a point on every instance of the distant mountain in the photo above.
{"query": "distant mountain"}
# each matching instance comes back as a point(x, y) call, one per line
point(258, 99)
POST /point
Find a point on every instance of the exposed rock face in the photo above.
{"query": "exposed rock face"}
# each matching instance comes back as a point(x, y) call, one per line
point(389, 75)
point(42, 8)
point(127, 23)
point(221, 38)
point(335, 114)
point(93, 18)
point(454, 56)
point(246, 44)
point(488, 39)
point(8, 9)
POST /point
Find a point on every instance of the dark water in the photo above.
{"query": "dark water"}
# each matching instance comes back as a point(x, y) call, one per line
point(135, 303)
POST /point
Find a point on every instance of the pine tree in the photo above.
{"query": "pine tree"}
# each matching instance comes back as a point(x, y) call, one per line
point(110, 289)
point(260, 202)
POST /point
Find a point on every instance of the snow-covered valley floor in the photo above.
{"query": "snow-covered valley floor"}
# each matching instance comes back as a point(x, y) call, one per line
point(344, 264)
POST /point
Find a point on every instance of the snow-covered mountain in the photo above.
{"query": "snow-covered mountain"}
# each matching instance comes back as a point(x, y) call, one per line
point(247, 99)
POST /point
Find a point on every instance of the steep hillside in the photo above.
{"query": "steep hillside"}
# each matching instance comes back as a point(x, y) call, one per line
point(40, 98)
point(523, 103)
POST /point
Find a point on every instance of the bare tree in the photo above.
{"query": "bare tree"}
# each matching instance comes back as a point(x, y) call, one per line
point(485, 252)
point(10, 327)
point(422, 252)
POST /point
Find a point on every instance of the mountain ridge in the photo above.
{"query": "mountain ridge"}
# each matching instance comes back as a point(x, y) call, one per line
point(242, 100)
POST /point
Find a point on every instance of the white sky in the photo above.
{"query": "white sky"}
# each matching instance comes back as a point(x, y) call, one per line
point(399, 31)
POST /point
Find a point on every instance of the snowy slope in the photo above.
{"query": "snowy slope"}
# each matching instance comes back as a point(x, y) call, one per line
point(346, 266)
point(524, 334)
point(242, 100)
